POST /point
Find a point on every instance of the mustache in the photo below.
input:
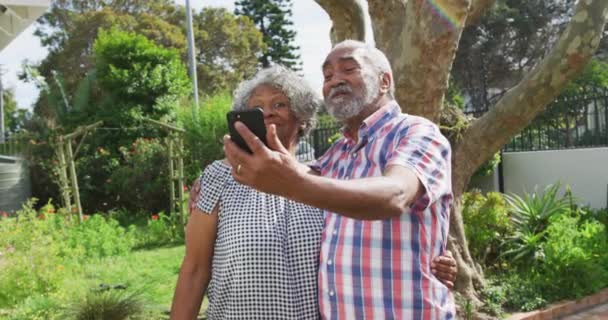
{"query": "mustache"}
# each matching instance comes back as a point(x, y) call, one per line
point(341, 88)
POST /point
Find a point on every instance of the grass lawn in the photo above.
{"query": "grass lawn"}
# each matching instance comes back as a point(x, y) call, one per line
point(151, 272)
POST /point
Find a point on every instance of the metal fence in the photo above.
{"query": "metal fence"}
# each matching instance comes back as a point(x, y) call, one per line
point(13, 146)
point(574, 121)
point(318, 141)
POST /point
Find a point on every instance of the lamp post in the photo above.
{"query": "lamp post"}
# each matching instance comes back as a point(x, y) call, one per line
point(191, 58)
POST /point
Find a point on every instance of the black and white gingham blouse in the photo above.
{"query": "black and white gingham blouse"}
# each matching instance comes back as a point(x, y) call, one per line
point(265, 261)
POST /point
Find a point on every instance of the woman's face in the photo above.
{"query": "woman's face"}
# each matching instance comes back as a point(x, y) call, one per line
point(277, 111)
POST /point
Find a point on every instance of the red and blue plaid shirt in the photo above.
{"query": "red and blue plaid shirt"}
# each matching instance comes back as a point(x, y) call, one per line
point(381, 269)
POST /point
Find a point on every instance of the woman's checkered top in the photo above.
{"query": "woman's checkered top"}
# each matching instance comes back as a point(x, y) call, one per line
point(265, 261)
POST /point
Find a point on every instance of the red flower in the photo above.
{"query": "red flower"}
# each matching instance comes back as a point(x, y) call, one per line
point(85, 217)
point(4, 214)
point(154, 217)
point(185, 188)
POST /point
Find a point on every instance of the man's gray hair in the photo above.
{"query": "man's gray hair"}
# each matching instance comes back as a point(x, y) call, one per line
point(304, 101)
point(372, 56)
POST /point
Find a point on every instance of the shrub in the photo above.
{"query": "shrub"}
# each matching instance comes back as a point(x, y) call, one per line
point(576, 258)
point(99, 237)
point(161, 229)
point(143, 180)
point(40, 247)
point(111, 304)
point(30, 257)
point(486, 223)
point(523, 291)
point(204, 132)
point(530, 216)
point(574, 264)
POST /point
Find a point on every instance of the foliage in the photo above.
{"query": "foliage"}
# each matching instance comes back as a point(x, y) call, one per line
point(99, 237)
point(513, 36)
point(203, 138)
point(162, 229)
point(41, 245)
point(488, 167)
point(486, 222)
point(545, 248)
point(108, 304)
point(71, 58)
point(522, 291)
point(231, 45)
point(273, 18)
point(130, 67)
point(47, 258)
point(494, 296)
point(14, 118)
point(574, 265)
point(576, 258)
point(142, 181)
point(530, 216)
point(138, 80)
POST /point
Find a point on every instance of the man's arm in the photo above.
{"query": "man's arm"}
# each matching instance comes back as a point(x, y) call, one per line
point(278, 172)
point(195, 272)
point(371, 198)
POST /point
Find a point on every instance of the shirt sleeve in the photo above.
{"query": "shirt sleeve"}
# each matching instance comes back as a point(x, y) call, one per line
point(213, 181)
point(423, 149)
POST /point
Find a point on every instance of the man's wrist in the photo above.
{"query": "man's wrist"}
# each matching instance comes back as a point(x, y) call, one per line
point(299, 182)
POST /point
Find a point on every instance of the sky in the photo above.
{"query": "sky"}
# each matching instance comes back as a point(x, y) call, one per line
point(311, 23)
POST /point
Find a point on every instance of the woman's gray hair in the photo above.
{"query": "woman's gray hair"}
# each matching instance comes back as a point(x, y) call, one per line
point(304, 101)
point(372, 56)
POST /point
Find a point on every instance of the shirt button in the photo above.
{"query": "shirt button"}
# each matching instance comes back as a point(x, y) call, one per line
point(331, 293)
point(329, 262)
point(354, 155)
point(335, 232)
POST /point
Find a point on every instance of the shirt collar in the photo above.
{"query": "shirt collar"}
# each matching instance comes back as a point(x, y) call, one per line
point(375, 121)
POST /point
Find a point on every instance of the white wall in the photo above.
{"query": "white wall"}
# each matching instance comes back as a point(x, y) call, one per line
point(585, 170)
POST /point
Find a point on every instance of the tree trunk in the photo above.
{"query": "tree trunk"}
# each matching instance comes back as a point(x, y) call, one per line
point(348, 19)
point(420, 39)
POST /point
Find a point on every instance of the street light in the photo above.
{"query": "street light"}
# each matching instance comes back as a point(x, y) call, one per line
point(192, 60)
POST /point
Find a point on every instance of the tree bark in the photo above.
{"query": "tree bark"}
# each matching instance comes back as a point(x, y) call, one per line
point(348, 19)
point(420, 39)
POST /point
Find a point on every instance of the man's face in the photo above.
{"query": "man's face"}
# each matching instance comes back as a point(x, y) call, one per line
point(349, 85)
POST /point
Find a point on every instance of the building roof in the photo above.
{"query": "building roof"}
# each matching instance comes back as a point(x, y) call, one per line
point(17, 15)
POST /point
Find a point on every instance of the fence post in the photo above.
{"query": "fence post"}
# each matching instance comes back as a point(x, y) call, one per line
point(75, 191)
point(180, 175)
point(64, 185)
point(171, 174)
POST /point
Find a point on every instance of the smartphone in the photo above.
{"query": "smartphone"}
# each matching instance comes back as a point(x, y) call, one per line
point(253, 119)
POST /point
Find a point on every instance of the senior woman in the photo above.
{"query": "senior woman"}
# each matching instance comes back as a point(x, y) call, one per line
point(256, 254)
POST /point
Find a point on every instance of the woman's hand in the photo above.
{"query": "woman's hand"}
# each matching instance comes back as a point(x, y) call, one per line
point(445, 269)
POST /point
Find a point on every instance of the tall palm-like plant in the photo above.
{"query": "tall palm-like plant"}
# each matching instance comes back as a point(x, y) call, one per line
point(530, 216)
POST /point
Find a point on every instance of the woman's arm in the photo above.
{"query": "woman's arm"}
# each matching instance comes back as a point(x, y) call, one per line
point(195, 272)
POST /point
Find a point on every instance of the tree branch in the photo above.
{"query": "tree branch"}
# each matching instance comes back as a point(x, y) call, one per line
point(477, 10)
point(348, 19)
point(420, 39)
point(520, 105)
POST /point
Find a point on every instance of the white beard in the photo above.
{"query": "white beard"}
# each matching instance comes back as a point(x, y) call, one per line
point(347, 106)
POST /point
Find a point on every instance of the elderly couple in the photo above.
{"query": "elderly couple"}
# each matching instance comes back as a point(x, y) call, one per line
point(360, 234)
